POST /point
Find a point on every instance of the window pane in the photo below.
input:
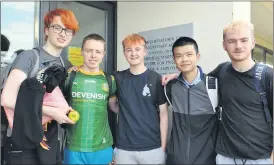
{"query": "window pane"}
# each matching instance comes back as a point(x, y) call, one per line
point(17, 24)
point(258, 54)
point(269, 59)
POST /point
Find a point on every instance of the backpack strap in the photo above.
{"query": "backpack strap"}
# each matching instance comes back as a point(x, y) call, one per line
point(259, 79)
point(35, 68)
point(223, 69)
point(212, 90)
point(168, 90)
point(67, 94)
point(62, 61)
point(67, 90)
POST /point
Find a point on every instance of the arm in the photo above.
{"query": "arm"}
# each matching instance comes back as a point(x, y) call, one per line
point(22, 66)
point(10, 91)
point(162, 102)
point(169, 77)
point(163, 124)
point(113, 104)
point(12, 85)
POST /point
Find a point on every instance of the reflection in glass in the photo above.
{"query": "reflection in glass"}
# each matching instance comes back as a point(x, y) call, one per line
point(258, 54)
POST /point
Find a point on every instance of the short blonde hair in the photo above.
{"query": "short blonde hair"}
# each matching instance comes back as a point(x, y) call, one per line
point(239, 23)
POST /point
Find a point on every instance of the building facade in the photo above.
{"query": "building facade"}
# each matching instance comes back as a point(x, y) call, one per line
point(22, 23)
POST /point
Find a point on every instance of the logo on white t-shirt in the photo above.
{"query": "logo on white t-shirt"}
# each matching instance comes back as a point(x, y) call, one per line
point(146, 91)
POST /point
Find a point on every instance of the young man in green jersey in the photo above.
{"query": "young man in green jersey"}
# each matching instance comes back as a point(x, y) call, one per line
point(90, 141)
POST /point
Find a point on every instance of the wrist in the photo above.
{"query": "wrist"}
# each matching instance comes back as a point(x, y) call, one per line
point(47, 111)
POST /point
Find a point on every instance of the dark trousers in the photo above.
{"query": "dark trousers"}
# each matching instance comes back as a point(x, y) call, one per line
point(11, 155)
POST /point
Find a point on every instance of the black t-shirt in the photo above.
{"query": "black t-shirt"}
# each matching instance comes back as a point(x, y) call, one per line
point(138, 120)
point(244, 132)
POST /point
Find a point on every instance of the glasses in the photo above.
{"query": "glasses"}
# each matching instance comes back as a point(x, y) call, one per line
point(58, 29)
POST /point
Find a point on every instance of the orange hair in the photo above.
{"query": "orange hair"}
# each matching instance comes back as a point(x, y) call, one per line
point(68, 18)
point(134, 39)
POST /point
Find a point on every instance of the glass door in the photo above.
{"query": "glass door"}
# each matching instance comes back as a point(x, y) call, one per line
point(93, 17)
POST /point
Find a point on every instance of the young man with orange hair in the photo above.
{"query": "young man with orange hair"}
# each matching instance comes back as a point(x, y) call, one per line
point(143, 115)
point(60, 26)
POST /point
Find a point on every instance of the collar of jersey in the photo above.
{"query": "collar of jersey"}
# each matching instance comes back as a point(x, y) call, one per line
point(100, 72)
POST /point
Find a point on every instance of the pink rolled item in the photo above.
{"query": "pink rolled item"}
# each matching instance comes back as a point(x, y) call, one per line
point(53, 99)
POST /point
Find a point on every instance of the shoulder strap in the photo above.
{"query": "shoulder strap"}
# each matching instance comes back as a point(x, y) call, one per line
point(109, 80)
point(36, 65)
point(62, 61)
point(67, 94)
point(259, 79)
point(223, 69)
point(69, 86)
point(168, 90)
point(212, 90)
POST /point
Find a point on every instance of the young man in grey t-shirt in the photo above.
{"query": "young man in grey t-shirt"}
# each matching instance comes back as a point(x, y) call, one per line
point(60, 26)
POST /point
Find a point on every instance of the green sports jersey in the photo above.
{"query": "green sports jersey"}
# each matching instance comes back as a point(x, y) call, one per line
point(89, 96)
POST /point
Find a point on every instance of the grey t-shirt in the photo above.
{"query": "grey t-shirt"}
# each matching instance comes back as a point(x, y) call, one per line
point(26, 61)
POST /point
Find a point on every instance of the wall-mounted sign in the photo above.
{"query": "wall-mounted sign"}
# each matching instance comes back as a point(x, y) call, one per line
point(159, 46)
point(74, 56)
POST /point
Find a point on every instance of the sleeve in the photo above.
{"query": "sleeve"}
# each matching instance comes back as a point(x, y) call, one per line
point(160, 98)
point(114, 87)
point(25, 61)
point(269, 90)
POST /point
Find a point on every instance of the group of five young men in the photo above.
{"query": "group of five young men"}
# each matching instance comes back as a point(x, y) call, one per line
point(243, 136)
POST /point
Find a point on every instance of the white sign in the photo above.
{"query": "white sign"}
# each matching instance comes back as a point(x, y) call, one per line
point(159, 47)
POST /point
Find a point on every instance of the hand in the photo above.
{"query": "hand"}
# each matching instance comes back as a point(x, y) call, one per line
point(168, 77)
point(112, 162)
point(60, 115)
point(74, 68)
